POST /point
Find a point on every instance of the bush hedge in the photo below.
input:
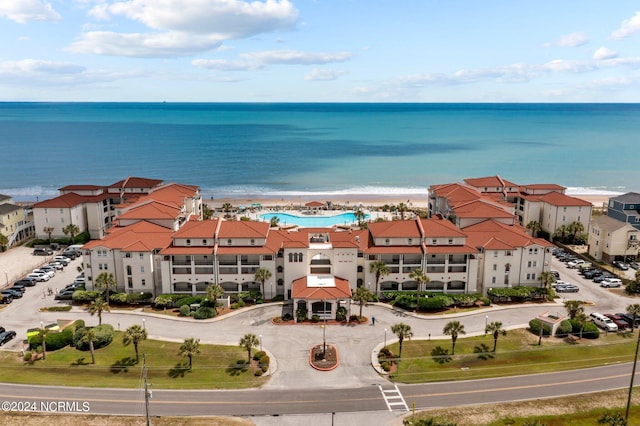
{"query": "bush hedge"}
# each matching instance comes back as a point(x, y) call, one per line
point(185, 311)
point(85, 295)
point(564, 329)
point(534, 327)
point(204, 312)
point(104, 336)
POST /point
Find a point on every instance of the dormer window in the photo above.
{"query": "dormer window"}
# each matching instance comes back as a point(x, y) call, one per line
point(387, 241)
point(204, 242)
point(188, 242)
point(410, 241)
point(450, 241)
point(434, 242)
point(253, 242)
point(229, 242)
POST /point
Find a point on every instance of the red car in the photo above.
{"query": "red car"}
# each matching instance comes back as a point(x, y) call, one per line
point(619, 321)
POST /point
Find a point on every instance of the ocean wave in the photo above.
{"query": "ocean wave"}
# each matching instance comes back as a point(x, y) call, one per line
point(256, 191)
point(30, 193)
point(579, 190)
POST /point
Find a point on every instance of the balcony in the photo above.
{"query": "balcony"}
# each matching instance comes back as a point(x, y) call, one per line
point(435, 269)
point(204, 271)
point(226, 270)
point(182, 270)
point(462, 268)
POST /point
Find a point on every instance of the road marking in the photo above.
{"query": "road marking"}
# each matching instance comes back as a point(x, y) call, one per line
point(393, 398)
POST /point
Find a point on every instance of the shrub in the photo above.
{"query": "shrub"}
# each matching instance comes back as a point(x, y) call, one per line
point(354, 318)
point(385, 365)
point(104, 336)
point(259, 354)
point(564, 328)
point(185, 310)
point(59, 340)
point(204, 312)
point(258, 373)
point(485, 301)
point(118, 297)
point(138, 297)
point(384, 353)
point(85, 296)
point(65, 308)
point(287, 317)
point(341, 313)
point(315, 318)
point(591, 331)
point(435, 303)
point(27, 356)
point(164, 301)
point(264, 363)
point(188, 300)
point(534, 327)
point(464, 300)
point(301, 314)
point(241, 304)
point(277, 298)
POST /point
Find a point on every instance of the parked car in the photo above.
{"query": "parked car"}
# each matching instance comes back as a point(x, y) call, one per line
point(71, 254)
point(635, 265)
point(619, 321)
point(6, 299)
point(575, 263)
point(64, 295)
point(48, 274)
point(39, 276)
point(50, 269)
point(56, 265)
point(629, 318)
point(6, 336)
point(555, 274)
point(567, 288)
point(620, 265)
point(28, 282)
point(42, 252)
point(73, 287)
point(19, 287)
point(62, 259)
point(603, 322)
point(589, 274)
point(16, 294)
point(611, 282)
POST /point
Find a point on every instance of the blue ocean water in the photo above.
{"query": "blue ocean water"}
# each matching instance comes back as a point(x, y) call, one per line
point(238, 149)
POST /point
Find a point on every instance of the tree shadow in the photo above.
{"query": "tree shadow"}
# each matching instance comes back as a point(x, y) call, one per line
point(483, 351)
point(122, 365)
point(79, 361)
point(441, 355)
point(238, 368)
point(179, 370)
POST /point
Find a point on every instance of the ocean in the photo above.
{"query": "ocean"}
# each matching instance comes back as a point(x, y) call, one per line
point(287, 149)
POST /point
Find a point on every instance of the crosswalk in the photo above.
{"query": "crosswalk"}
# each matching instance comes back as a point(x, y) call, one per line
point(393, 398)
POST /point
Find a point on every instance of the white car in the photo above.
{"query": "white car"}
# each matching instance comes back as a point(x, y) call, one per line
point(50, 274)
point(611, 282)
point(39, 276)
point(58, 265)
point(62, 259)
point(574, 264)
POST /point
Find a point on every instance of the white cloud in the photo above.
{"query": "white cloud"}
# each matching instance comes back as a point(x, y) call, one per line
point(23, 11)
point(609, 83)
point(224, 65)
point(318, 74)
point(169, 44)
point(628, 27)
point(604, 53)
point(564, 65)
point(292, 57)
point(569, 40)
point(183, 28)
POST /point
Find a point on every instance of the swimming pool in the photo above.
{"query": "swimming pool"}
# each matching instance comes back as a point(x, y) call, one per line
point(312, 221)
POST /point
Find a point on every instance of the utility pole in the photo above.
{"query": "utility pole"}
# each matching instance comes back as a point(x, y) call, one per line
point(633, 374)
point(146, 389)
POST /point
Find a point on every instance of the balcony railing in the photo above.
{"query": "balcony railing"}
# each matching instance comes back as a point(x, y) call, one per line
point(226, 271)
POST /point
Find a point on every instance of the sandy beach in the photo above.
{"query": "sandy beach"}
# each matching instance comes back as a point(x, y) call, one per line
point(364, 200)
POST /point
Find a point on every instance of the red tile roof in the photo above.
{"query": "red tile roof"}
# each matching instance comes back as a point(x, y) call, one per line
point(136, 182)
point(561, 200)
point(498, 236)
point(395, 229)
point(198, 229)
point(490, 182)
point(314, 204)
point(243, 229)
point(68, 200)
point(80, 188)
point(480, 209)
point(434, 228)
point(152, 210)
point(141, 236)
point(301, 290)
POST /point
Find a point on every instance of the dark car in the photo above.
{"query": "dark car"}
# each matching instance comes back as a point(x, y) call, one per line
point(6, 299)
point(19, 287)
point(42, 252)
point(16, 294)
point(6, 336)
point(28, 282)
point(567, 288)
point(65, 295)
point(619, 321)
point(2, 330)
point(592, 273)
point(620, 265)
point(629, 318)
point(555, 274)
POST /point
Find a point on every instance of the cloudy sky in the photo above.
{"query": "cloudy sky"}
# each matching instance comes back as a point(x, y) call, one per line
point(320, 50)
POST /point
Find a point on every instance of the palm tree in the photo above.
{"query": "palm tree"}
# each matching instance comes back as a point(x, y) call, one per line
point(89, 337)
point(546, 278)
point(453, 329)
point(420, 277)
point(380, 269)
point(105, 280)
point(214, 291)
point(402, 331)
point(97, 307)
point(561, 233)
point(634, 311)
point(575, 228)
point(42, 333)
point(71, 230)
point(262, 275)
point(249, 341)
point(275, 220)
point(4, 242)
point(134, 334)
point(207, 212)
point(361, 296)
point(359, 217)
point(48, 230)
point(189, 348)
point(402, 209)
point(582, 319)
point(534, 226)
point(573, 307)
point(496, 329)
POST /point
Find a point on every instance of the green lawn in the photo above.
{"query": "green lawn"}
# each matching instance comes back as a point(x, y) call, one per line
point(215, 367)
point(517, 353)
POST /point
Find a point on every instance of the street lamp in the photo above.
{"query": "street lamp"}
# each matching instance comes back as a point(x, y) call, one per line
point(144, 324)
point(486, 324)
point(6, 275)
point(385, 337)
point(260, 343)
point(324, 341)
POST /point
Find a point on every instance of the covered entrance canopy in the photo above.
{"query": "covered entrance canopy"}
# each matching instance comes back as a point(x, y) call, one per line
point(320, 295)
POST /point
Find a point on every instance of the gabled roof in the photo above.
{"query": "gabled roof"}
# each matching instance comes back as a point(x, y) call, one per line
point(438, 228)
point(152, 210)
point(136, 182)
point(610, 224)
point(198, 229)
point(493, 235)
point(490, 182)
point(243, 229)
point(456, 193)
point(562, 200)
point(480, 209)
point(547, 186)
point(68, 200)
point(4, 197)
point(81, 188)
point(395, 229)
point(141, 236)
point(301, 289)
point(628, 198)
point(314, 204)
point(8, 208)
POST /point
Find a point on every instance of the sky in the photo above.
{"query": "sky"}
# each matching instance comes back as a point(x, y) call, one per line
point(320, 50)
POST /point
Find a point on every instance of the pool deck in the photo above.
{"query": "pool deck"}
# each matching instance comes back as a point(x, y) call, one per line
point(254, 214)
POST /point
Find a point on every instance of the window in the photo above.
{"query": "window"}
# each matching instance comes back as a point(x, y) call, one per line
point(290, 257)
point(508, 253)
point(450, 241)
point(533, 276)
point(142, 269)
point(229, 242)
point(495, 254)
point(204, 242)
point(143, 282)
point(495, 267)
point(129, 282)
point(387, 241)
point(493, 280)
point(434, 242)
point(141, 256)
point(253, 242)
point(188, 242)
point(410, 241)
point(528, 265)
point(128, 269)
point(127, 255)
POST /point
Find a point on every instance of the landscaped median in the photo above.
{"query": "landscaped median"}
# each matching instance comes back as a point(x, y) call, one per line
point(517, 353)
point(213, 367)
